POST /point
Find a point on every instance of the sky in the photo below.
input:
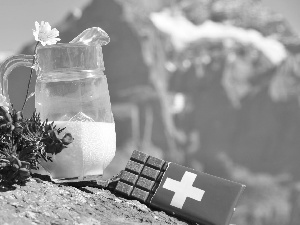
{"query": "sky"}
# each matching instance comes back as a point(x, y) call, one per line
point(17, 17)
point(289, 9)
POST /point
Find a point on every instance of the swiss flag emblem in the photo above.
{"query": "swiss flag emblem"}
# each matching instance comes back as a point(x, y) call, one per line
point(183, 189)
point(197, 196)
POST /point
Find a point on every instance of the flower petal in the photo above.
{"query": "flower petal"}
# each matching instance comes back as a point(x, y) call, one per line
point(45, 34)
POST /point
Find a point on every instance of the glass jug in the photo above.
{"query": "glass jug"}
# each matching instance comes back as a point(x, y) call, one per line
point(71, 90)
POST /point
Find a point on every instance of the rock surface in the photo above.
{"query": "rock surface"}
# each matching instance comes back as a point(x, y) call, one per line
point(44, 202)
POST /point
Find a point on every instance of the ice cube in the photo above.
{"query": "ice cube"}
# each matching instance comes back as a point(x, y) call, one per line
point(93, 35)
point(81, 117)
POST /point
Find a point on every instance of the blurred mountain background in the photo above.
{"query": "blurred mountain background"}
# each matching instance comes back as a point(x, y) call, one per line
point(210, 84)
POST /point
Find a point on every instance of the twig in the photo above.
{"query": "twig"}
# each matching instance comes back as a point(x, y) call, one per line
point(3, 153)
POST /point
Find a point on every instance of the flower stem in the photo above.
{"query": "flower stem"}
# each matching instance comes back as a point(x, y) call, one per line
point(31, 71)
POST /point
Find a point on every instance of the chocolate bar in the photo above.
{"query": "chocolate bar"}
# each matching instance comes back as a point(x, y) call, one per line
point(141, 177)
point(178, 190)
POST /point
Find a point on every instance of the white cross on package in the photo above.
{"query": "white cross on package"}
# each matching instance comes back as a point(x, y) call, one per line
point(198, 196)
point(178, 190)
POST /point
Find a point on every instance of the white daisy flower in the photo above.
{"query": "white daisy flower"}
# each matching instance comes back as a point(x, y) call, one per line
point(44, 34)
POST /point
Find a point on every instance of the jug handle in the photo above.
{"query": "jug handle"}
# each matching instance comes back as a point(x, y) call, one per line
point(8, 65)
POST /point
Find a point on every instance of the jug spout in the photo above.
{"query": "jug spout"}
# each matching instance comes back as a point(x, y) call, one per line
point(7, 66)
point(92, 36)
